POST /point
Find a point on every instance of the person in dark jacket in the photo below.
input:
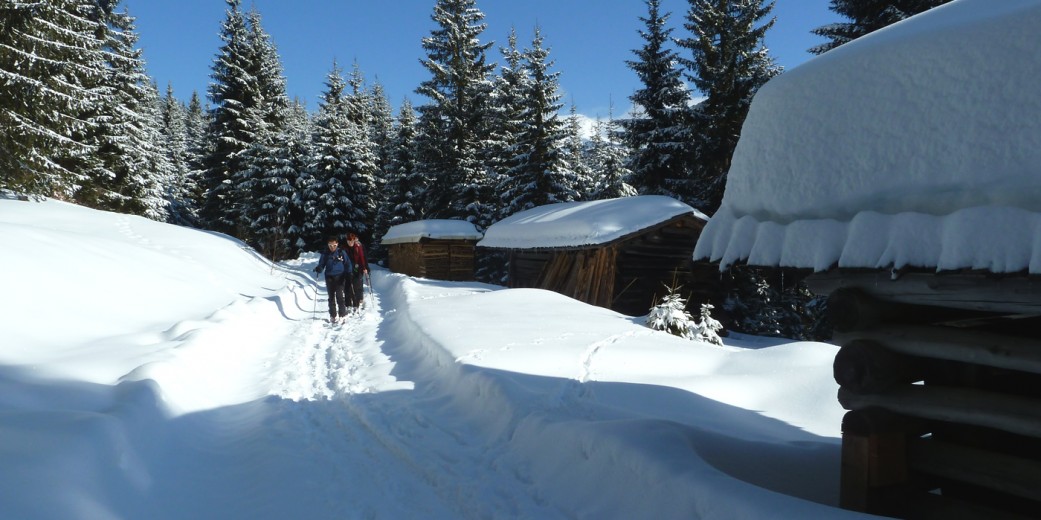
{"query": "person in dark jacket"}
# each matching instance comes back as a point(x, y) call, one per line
point(337, 266)
point(355, 281)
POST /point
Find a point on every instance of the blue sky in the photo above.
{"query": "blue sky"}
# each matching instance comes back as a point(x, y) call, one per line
point(589, 41)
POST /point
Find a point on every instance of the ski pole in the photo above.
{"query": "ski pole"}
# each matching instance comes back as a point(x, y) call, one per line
point(314, 308)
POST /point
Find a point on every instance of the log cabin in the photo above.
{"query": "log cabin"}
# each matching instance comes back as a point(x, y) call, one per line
point(619, 254)
point(439, 249)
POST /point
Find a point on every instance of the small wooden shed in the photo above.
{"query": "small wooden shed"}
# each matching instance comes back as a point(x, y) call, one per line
point(436, 248)
point(616, 253)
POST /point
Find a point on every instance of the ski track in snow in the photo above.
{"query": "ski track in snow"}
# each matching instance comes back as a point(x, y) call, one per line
point(382, 440)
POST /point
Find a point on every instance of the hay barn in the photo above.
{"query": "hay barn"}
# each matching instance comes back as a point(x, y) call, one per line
point(615, 253)
point(436, 248)
point(916, 205)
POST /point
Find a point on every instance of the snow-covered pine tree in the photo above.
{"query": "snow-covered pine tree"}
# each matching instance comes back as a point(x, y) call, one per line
point(364, 162)
point(607, 159)
point(507, 109)
point(333, 165)
point(658, 137)
point(125, 175)
point(867, 16)
point(232, 93)
point(402, 177)
point(173, 131)
point(52, 67)
point(295, 154)
point(575, 155)
point(381, 127)
point(728, 63)
point(670, 315)
point(381, 135)
point(157, 173)
point(708, 328)
point(540, 175)
point(264, 185)
point(197, 146)
point(454, 124)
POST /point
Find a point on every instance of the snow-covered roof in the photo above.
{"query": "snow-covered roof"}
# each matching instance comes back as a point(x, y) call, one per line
point(917, 145)
point(439, 229)
point(576, 224)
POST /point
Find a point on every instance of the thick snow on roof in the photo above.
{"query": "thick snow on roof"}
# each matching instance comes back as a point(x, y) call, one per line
point(917, 145)
point(442, 229)
point(575, 224)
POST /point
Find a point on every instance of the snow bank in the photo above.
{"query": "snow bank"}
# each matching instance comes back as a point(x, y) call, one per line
point(917, 145)
point(444, 229)
point(574, 224)
point(613, 420)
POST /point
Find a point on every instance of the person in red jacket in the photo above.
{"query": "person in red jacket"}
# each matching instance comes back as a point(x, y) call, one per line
point(354, 283)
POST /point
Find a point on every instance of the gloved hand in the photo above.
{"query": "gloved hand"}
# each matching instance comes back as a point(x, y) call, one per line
point(317, 270)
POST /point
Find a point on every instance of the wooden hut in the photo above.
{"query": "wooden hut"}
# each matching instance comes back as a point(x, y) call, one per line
point(923, 227)
point(616, 253)
point(436, 248)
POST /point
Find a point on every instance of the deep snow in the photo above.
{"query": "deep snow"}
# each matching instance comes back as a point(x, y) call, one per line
point(151, 371)
point(916, 145)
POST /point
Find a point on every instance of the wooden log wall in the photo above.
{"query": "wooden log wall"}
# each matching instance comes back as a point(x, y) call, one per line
point(944, 402)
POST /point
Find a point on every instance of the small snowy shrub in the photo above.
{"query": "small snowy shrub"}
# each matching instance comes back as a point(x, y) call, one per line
point(708, 329)
point(670, 315)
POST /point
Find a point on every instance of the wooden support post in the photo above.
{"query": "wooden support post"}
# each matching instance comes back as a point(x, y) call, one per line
point(874, 475)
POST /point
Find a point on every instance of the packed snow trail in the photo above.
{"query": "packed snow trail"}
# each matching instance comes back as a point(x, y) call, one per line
point(371, 445)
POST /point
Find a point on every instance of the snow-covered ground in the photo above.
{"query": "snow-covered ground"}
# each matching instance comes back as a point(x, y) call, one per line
point(151, 371)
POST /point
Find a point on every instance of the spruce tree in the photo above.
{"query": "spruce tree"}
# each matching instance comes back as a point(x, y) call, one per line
point(130, 172)
point(232, 93)
point(867, 16)
point(402, 171)
point(173, 131)
point(454, 124)
point(507, 117)
point(264, 185)
point(157, 173)
point(541, 174)
point(607, 159)
point(728, 64)
point(296, 153)
point(659, 136)
point(197, 149)
point(364, 162)
point(338, 165)
point(52, 65)
point(575, 155)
